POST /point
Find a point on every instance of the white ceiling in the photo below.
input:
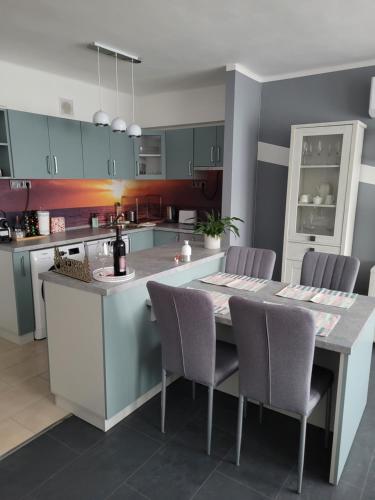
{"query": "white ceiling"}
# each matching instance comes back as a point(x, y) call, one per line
point(187, 43)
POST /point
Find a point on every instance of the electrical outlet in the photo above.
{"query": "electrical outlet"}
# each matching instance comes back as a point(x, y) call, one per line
point(19, 184)
point(198, 183)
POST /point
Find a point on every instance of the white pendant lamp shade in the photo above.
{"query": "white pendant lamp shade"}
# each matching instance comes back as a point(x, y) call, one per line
point(100, 118)
point(134, 130)
point(118, 125)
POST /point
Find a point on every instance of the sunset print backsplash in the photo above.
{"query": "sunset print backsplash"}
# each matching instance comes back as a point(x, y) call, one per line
point(77, 199)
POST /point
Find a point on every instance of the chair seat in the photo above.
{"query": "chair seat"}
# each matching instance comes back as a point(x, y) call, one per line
point(321, 380)
point(226, 361)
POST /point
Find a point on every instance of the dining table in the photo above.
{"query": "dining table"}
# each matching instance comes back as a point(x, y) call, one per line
point(346, 350)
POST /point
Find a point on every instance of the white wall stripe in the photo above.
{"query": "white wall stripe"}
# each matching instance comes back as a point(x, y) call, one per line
point(279, 155)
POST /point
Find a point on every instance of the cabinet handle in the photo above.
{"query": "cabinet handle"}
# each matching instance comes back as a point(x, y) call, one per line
point(109, 167)
point(23, 269)
point(218, 153)
point(114, 168)
point(212, 154)
point(312, 238)
point(55, 164)
point(312, 249)
point(190, 169)
point(137, 168)
point(48, 165)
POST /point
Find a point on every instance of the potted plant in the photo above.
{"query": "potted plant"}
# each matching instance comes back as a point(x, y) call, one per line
point(214, 228)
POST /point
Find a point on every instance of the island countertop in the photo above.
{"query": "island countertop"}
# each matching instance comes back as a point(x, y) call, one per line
point(148, 264)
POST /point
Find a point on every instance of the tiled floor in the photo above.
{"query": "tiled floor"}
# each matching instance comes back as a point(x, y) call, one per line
point(26, 405)
point(134, 461)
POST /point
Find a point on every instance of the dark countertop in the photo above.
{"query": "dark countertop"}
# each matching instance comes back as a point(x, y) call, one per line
point(72, 236)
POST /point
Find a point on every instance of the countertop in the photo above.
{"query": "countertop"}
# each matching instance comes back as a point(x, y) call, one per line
point(148, 264)
point(72, 236)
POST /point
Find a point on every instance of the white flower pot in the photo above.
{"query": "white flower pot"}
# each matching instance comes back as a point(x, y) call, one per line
point(212, 242)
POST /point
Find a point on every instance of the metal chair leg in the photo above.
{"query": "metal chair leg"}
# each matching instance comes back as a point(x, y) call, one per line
point(193, 390)
point(163, 398)
point(260, 413)
point(328, 417)
point(245, 408)
point(209, 418)
point(239, 428)
point(301, 454)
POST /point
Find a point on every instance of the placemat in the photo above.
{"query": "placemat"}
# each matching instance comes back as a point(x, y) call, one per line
point(235, 281)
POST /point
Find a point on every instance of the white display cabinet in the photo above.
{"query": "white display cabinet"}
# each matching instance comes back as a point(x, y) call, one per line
point(324, 170)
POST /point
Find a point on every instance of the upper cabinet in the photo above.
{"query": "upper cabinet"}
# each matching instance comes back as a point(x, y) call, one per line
point(44, 147)
point(209, 146)
point(106, 154)
point(324, 169)
point(5, 151)
point(180, 153)
point(150, 155)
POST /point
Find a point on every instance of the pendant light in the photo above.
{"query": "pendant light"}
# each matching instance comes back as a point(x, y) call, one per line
point(118, 125)
point(100, 118)
point(134, 130)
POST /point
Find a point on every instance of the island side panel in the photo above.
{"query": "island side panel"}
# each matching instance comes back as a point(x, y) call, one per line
point(132, 345)
point(75, 348)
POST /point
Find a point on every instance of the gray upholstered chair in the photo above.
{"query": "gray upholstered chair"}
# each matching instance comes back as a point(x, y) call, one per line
point(326, 270)
point(247, 261)
point(276, 349)
point(186, 323)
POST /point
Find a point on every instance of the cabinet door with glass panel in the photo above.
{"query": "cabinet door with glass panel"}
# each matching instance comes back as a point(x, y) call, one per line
point(319, 166)
point(150, 155)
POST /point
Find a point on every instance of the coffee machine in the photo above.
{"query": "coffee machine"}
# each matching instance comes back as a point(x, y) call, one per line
point(4, 228)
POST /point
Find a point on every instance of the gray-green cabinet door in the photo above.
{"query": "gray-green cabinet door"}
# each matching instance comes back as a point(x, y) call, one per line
point(219, 145)
point(122, 156)
point(164, 237)
point(66, 148)
point(180, 153)
point(96, 151)
point(24, 292)
point(30, 145)
point(149, 152)
point(204, 146)
point(141, 240)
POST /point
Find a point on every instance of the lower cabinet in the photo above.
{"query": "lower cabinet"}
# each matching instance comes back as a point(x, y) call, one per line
point(292, 271)
point(141, 240)
point(164, 237)
point(16, 295)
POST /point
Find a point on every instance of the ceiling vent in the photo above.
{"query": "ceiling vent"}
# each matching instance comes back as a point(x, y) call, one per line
point(66, 107)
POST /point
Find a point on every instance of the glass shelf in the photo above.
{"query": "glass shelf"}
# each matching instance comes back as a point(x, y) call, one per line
point(149, 155)
point(315, 205)
point(320, 166)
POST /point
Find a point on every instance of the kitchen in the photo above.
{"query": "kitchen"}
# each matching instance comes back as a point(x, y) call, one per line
point(283, 157)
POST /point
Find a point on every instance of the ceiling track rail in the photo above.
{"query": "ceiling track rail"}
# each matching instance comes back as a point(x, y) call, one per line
point(111, 51)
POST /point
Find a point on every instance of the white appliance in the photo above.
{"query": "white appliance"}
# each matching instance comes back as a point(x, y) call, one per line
point(43, 260)
point(187, 216)
point(371, 288)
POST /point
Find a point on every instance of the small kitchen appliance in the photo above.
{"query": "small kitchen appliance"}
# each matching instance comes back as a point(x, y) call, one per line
point(187, 216)
point(171, 213)
point(4, 229)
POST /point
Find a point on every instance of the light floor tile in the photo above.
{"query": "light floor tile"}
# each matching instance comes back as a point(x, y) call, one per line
point(4, 386)
point(16, 398)
point(12, 434)
point(45, 376)
point(5, 345)
point(20, 372)
point(40, 414)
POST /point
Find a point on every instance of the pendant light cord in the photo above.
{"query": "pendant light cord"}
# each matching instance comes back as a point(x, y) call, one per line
point(116, 85)
point(99, 82)
point(133, 87)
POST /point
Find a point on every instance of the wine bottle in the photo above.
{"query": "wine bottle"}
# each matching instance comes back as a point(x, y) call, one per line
point(119, 254)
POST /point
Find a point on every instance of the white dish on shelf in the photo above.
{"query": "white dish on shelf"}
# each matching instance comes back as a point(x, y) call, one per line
point(106, 275)
point(147, 224)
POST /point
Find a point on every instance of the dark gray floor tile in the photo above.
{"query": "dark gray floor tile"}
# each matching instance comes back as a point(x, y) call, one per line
point(125, 492)
point(315, 488)
point(175, 472)
point(219, 487)
point(26, 469)
point(76, 434)
point(369, 486)
point(97, 472)
point(357, 465)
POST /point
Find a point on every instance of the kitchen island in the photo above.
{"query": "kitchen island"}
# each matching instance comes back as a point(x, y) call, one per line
point(104, 353)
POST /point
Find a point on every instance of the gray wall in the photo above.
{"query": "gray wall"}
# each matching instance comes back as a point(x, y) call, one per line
point(342, 95)
point(242, 111)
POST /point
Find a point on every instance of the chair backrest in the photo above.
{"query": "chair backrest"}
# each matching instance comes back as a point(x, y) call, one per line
point(247, 261)
point(275, 345)
point(186, 324)
point(325, 270)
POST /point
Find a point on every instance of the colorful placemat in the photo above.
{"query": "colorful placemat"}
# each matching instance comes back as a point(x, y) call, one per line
point(324, 322)
point(220, 301)
point(235, 281)
point(298, 292)
point(318, 295)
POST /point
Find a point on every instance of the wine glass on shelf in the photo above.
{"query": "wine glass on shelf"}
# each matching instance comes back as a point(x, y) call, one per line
point(305, 149)
point(320, 147)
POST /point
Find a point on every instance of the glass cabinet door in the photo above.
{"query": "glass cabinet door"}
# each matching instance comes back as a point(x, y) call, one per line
point(320, 168)
point(150, 155)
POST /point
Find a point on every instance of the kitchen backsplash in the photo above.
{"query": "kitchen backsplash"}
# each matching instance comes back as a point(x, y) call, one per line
point(77, 199)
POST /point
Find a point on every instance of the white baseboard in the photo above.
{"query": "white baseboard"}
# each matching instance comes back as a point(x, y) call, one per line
point(17, 339)
point(101, 422)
